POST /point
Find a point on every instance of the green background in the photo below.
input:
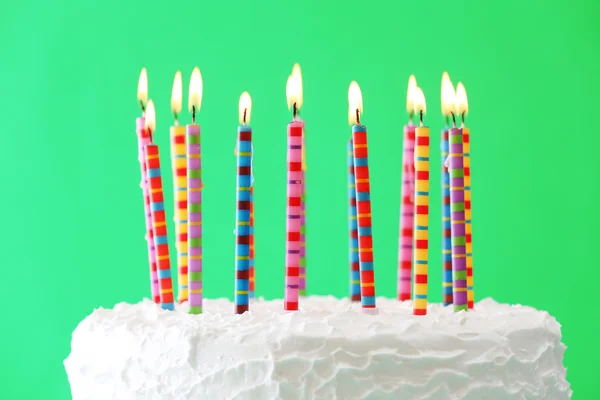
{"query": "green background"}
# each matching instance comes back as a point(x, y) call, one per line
point(73, 223)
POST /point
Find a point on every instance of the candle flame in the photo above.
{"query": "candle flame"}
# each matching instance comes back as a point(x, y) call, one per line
point(244, 108)
point(354, 103)
point(448, 95)
point(462, 103)
point(293, 88)
point(195, 92)
point(176, 94)
point(410, 94)
point(142, 91)
point(419, 101)
point(150, 122)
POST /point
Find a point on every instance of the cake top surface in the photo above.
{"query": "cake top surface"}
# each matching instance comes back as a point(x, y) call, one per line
point(324, 316)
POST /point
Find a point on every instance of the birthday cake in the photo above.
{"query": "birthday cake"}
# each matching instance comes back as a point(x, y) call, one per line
point(329, 349)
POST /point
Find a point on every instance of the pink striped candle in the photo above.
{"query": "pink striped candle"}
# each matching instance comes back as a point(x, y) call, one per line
point(294, 214)
point(407, 211)
point(144, 139)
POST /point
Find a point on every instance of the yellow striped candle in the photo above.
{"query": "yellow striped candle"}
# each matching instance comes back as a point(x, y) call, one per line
point(421, 227)
point(179, 167)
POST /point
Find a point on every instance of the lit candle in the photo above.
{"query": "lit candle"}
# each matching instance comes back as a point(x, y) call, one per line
point(179, 168)
point(462, 105)
point(243, 208)
point(421, 245)
point(194, 196)
point(159, 220)
point(294, 192)
point(353, 228)
point(457, 217)
point(143, 136)
point(363, 198)
point(407, 204)
point(448, 100)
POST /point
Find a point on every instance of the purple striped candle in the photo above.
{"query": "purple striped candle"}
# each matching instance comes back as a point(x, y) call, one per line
point(194, 185)
point(457, 220)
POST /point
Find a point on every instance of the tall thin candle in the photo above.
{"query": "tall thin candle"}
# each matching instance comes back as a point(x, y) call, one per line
point(421, 254)
point(407, 208)
point(294, 192)
point(448, 100)
point(363, 198)
point(457, 206)
point(463, 109)
point(243, 199)
point(194, 198)
point(353, 229)
point(302, 275)
point(143, 136)
point(159, 220)
point(179, 168)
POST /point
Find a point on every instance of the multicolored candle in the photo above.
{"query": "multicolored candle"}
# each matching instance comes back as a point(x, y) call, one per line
point(463, 109)
point(363, 198)
point(294, 192)
point(448, 100)
point(194, 196)
point(144, 139)
point(243, 199)
point(457, 216)
point(179, 168)
point(421, 229)
point(157, 209)
point(407, 199)
point(353, 228)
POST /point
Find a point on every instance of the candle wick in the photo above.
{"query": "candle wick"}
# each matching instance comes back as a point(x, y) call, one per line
point(176, 119)
point(143, 106)
point(421, 117)
point(193, 114)
point(357, 117)
point(245, 110)
point(150, 135)
point(463, 119)
point(410, 117)
point(453, 119)
point(447, 121)
point(295, 110)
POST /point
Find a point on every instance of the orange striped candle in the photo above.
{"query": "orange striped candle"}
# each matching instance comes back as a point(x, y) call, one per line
point(159, 221)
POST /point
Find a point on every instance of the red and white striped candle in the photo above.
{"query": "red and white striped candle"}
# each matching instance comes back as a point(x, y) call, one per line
point(407, 208)
point(295, 131)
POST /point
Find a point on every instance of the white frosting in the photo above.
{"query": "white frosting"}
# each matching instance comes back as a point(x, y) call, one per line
point(328, 350)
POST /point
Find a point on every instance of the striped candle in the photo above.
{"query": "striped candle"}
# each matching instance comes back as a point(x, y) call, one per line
point(457, 216)
point(252, 278)
point(363, 210)
point(405, 242)
point(353, 228)
point(446, 229)
point(242, 246)
point(421, 243)
point(159, 226)
point(294, 214)
point(144, 138)
point(194, 185)
point(179, 167)
point(468, 226)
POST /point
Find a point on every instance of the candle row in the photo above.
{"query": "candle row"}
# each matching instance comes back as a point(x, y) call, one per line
point(413, 257)
point(457, 263)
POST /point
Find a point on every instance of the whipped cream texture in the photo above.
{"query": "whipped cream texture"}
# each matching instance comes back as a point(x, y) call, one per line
point(329, 349)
